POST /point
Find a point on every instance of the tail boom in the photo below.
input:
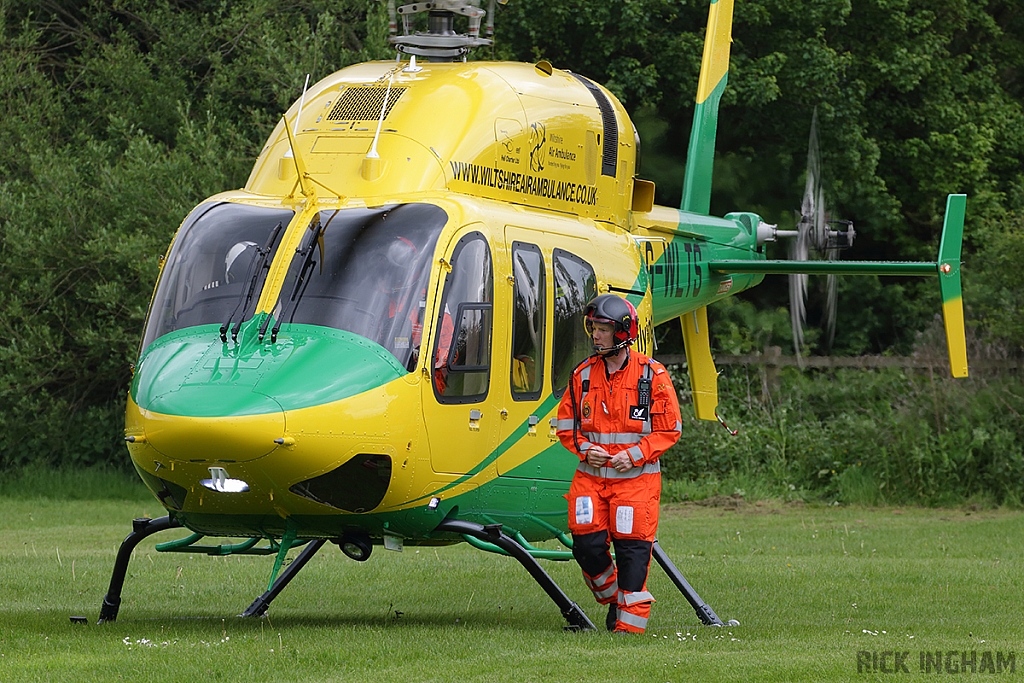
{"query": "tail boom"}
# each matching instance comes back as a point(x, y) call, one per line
point(947, 268)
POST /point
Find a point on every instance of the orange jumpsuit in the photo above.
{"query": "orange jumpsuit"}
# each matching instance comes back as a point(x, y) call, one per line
point(600, 410)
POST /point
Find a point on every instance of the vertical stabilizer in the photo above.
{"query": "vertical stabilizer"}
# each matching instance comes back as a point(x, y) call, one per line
point(714, 72)
point(949, 283)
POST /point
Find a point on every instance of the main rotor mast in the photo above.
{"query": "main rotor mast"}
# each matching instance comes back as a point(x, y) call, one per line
point(440, 43)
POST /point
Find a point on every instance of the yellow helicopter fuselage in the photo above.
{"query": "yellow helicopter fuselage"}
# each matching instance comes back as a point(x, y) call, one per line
point(418, 244)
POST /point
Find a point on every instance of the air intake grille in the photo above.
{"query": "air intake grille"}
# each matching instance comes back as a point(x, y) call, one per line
point(363, 103)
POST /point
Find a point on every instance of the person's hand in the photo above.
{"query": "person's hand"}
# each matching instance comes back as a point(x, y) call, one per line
point(621, 461)
point(597, 456)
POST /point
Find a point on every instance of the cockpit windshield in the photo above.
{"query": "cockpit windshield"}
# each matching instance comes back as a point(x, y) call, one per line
point(211, 265)
point(366, 271)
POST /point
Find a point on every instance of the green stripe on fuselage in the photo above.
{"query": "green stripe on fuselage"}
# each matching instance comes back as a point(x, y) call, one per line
point(515, 436)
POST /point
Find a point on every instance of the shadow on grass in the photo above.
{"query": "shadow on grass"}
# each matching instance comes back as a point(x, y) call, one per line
point(201, 624)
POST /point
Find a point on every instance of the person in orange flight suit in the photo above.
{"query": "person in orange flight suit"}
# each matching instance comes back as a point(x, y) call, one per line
point(618, 415)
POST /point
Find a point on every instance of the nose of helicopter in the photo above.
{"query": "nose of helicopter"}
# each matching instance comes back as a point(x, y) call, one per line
point(228, 437)
point(200, 400)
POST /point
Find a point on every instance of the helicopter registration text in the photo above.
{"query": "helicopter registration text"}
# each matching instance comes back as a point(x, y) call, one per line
point(677, 270)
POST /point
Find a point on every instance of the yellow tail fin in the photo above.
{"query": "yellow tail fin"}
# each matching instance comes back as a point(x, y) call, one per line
point(703, 375)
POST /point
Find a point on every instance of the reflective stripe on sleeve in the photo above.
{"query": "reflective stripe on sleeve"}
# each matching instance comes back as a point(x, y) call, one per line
point(635, 454)
point(563, 425)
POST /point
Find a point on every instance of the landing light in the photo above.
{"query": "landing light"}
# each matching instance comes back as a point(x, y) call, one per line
point(220, 482)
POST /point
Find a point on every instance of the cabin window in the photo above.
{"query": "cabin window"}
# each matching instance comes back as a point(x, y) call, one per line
point(365, 271)
point(575, 286)
point(527, 362)
point(212, 266)
point(462, 347)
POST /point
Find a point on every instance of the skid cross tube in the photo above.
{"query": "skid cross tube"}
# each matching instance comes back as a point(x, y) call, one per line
point(578, 620)
point(704, 611)
point(259, 606)
point(141, 528)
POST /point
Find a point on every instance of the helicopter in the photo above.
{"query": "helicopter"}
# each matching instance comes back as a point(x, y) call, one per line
point(366, 344)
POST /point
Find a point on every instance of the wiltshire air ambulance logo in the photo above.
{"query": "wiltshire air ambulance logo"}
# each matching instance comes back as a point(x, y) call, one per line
point(538, 136)
point(638, 413)
point(586, 410)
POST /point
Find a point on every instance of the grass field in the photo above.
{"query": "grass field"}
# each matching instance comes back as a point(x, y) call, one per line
point(811, 586)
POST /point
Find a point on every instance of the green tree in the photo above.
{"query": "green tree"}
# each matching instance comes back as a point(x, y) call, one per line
point(916, 99)
point(118, 118)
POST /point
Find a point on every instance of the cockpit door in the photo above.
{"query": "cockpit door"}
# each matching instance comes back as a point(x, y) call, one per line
point(459, 388)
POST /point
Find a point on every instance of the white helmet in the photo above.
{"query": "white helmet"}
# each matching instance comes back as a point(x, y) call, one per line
point(233, 272)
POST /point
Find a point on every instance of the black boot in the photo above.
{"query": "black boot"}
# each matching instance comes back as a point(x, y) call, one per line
point(613, 616)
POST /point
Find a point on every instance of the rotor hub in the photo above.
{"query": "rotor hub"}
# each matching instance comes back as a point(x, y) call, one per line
point(440, 43)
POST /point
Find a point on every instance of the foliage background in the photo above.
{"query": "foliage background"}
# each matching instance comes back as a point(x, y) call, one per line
point(118, 116)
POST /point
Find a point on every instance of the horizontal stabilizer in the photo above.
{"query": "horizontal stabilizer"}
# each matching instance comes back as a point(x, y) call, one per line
point(783, 267)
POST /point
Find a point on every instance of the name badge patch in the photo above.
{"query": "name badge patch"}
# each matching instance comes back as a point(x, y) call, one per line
point(624, 519)
point(584, 510)
point(638, 412)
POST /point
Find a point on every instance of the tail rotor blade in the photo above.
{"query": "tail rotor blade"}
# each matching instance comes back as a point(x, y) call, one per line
point(798, 293)
point(831, 304)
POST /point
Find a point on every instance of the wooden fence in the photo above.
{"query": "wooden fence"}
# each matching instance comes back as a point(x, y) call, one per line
point(773, 358)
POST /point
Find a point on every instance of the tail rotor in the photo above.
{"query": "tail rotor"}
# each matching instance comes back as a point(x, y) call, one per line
point(817, 237)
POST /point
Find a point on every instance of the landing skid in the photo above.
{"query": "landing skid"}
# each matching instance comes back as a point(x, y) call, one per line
point(259, 606)
point(141, 528)
point(706, 615)
point(492, 533)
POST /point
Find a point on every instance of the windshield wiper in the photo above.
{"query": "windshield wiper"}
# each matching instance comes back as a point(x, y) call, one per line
point(255, 267)
point(301, 281)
